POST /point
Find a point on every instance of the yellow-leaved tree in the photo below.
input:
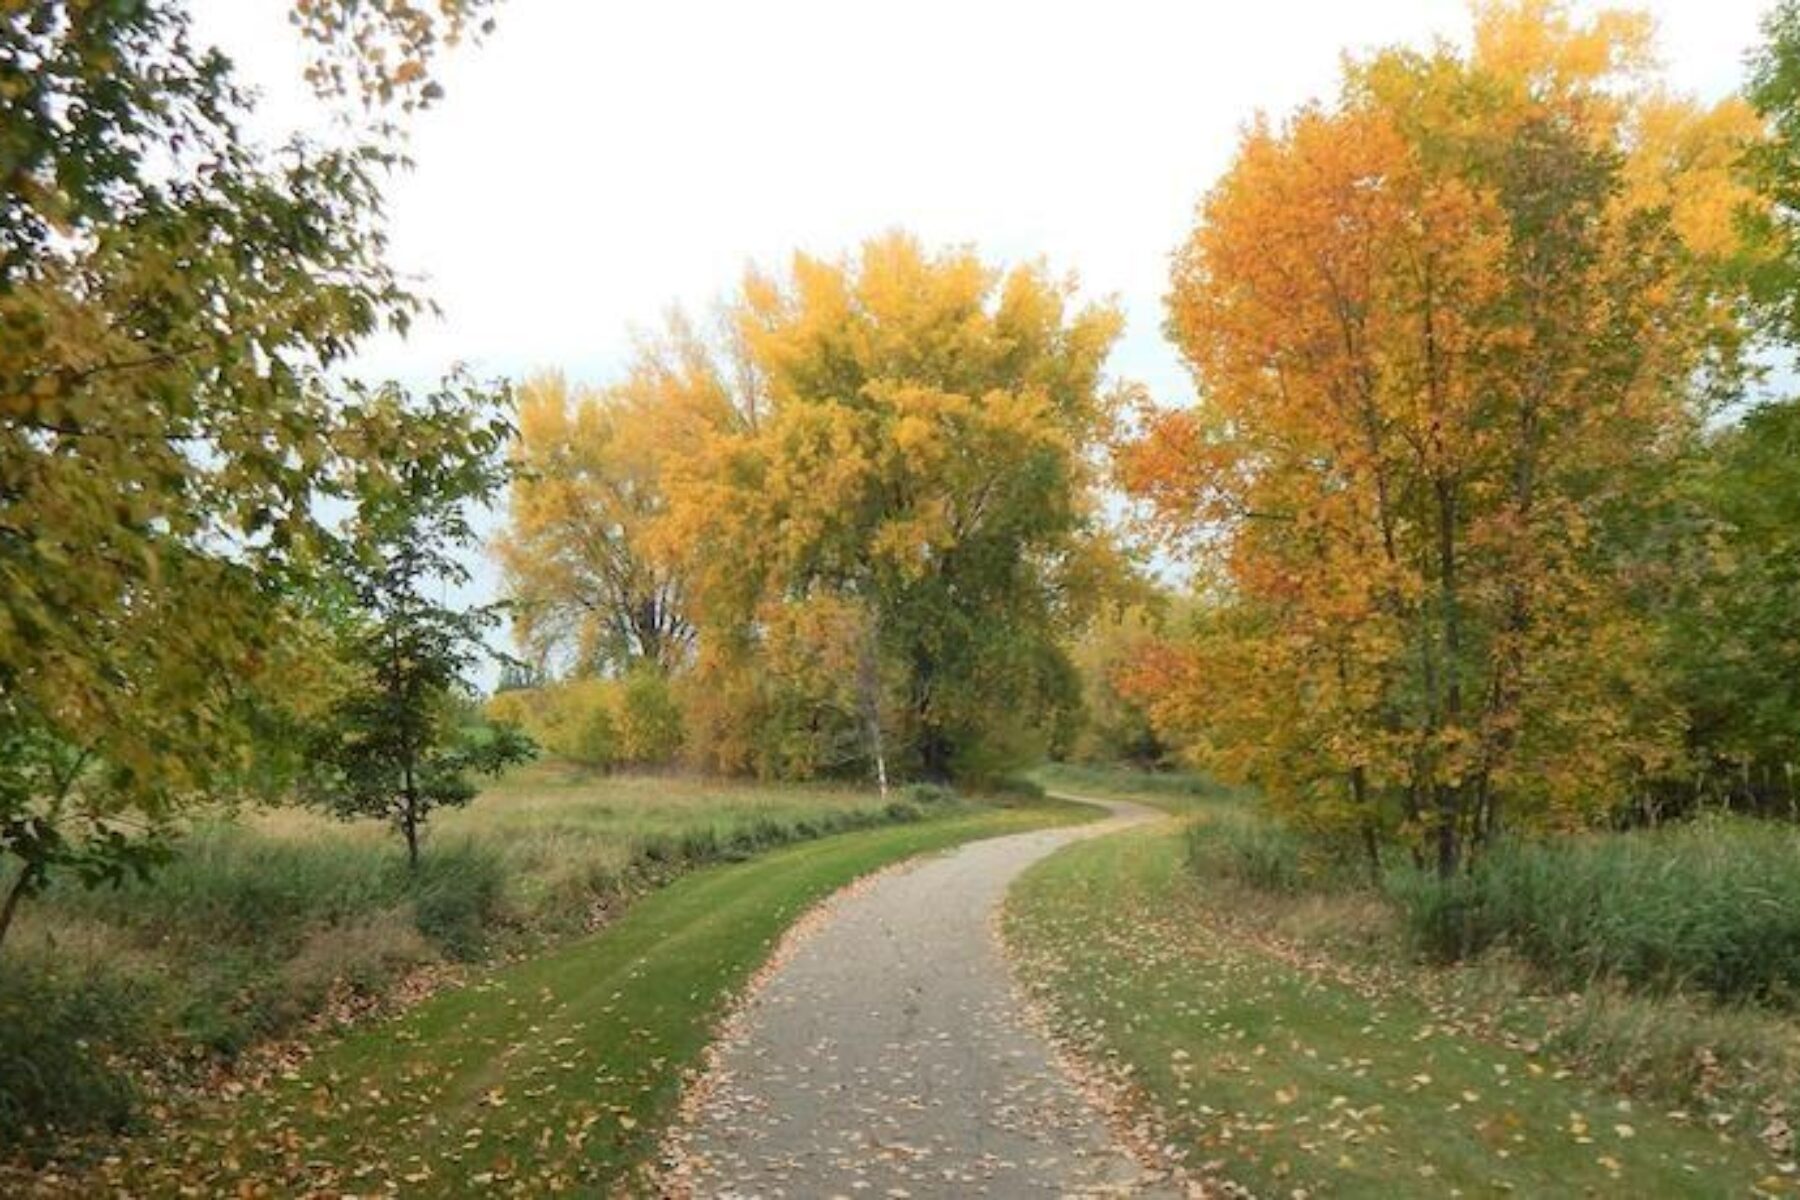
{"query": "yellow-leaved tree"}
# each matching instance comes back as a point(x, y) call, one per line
point(918, 451)
point(857, 528)
point(588, 575)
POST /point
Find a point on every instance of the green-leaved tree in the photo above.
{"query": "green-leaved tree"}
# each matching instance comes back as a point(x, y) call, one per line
point(393, 746)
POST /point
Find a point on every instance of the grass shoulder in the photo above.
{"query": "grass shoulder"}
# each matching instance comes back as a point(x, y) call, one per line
point(1288, 1041)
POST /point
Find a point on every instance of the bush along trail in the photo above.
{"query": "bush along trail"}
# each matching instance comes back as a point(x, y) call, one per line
point(1290, 1074)
point(553, 1074)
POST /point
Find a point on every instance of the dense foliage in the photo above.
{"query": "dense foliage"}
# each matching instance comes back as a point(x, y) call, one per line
point(1456, 335)
point(177, 304)
point(864, 533)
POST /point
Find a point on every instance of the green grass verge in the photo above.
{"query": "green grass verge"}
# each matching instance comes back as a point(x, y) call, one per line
point(1170, 791)
point(552, 1074)
point(1288, 1080)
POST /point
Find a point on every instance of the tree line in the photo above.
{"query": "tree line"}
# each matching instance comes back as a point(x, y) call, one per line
point(851, 532)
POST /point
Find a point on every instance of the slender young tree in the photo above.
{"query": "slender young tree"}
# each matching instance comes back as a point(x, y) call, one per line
point(392, 747)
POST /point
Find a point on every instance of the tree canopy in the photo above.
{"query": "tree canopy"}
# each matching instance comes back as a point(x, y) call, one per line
point(871, 501)
point(177, 307)
point(1449, 333)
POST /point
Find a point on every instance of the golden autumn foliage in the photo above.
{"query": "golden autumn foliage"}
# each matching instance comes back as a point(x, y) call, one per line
point(629, 722)
point(918, 445)
point(178, 306)
point(1109, 658)
point(582, 555)
point(871, 514)
point(1446, 331)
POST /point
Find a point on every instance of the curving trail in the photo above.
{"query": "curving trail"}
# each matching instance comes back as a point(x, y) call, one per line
point(887, 1057)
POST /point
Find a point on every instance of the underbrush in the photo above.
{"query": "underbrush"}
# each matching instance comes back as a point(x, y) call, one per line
point(1711, 907)
point(1268, 858)
point(261, 924)
point(1665, 962)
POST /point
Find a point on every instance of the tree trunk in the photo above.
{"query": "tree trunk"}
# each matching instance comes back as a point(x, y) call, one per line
point(409, 825)
point(409, 815)
point(934, 754)
point(28, 876)
point(1372, 850)
point(934, 745)
point(1359, 796)
point(1450, 797)
point(868, 687)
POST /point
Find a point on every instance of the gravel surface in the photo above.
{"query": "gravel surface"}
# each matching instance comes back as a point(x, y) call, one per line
point(887, 1056)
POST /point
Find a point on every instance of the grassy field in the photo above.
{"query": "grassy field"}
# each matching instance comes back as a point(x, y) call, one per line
point(1289, 1078)
point(277, 919)
point(551, 1074)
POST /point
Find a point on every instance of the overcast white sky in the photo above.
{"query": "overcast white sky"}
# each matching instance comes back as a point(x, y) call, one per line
point(595, 163)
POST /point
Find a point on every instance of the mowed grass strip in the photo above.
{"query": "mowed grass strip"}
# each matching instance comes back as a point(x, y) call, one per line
point(1287, 1082)
point(555, 1074)
point(1177, 792)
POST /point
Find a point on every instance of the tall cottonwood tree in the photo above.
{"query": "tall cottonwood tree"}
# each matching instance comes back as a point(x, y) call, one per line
point(1445, 331)
point(918, 446)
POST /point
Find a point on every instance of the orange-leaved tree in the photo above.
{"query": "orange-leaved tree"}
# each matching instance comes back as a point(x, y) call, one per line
point(1446, 332)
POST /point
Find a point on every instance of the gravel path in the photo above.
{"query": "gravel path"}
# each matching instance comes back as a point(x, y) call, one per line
point(887, 1056)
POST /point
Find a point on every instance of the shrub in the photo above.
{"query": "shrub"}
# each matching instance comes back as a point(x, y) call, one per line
point(517, 706)
point(599, 722)
point(648, 719)
point(1713, 907)
point(56, 1027)
point(1021, 787)
point(1446, 920)
point(1266, 856)
point(700, 845)
point(457, 894)
point(926, 795)
point(578, 723)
